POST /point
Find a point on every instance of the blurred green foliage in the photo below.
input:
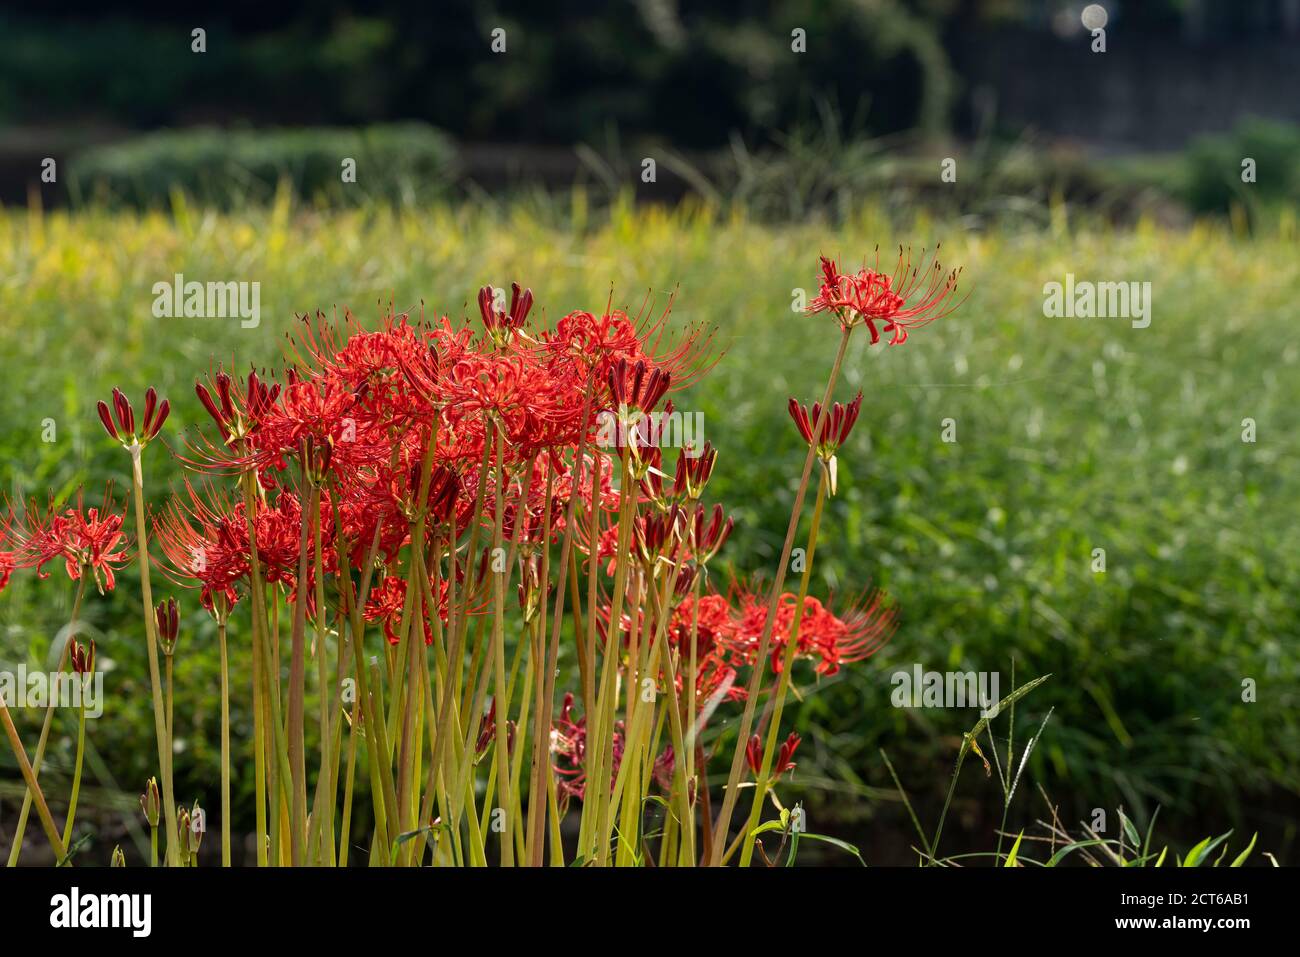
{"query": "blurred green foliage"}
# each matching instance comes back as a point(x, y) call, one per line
point(595, 68)
point(401, 163)
point(1216, 167)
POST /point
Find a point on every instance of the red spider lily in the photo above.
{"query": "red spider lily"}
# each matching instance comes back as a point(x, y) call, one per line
point(911, 296)
point(637, 387)
point(8, 562)
point(85, 538)
point(693, 471)
point(657, 534)
point(82, 657)
point(569, 746)
point(501, 324)
point(598, 344)
point(708, 538)
point(329, 413)
point(487, 731)
point(754, 755)
point(238, 409)
point(167, 616)
point(534, 409)
point(124, 429)
point(387, 601)
point(835, 429)
point(206, 543)
point(829, 639)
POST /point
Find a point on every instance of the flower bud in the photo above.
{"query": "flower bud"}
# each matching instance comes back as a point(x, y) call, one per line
point(151, 802)
point(167, 616)
point(184, 833)
point(198, 826)
point(119, 859)
point(83, 657)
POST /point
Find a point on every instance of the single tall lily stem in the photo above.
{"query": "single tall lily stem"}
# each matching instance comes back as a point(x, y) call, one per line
point(776, 704)
point(498, 644)
point(729, 798)
point(81, 754)
point(151, 637)
point(225, 740)
point(296, 743)
point(39, 756)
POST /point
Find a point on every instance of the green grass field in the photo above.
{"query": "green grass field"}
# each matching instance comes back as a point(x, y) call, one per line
point(1072, 435)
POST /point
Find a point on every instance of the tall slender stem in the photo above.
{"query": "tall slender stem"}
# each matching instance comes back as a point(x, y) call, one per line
point(729, 797)
point(151, 638)
point(225, 743)
point(81, 754)
point(776, 704)
point(39, 756)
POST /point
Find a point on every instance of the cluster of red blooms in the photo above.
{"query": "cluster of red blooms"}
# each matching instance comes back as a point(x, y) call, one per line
point(88, 540)
point(369, 433)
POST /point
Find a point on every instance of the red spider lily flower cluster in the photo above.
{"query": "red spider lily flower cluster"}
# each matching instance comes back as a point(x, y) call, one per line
point(404, 480)
point(914, 294)
point(87, 539)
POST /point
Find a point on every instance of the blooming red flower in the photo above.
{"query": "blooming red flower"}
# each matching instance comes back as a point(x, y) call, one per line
point(7, 559)
point(569, 746)
point(85, 538)
point(205, 542)
point(913, 295)
point(827, 638)
point(387, 601)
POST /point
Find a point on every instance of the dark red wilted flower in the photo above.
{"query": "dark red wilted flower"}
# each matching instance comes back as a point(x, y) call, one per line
point(487, 731)
point(911, 296)
point(82, 657)
point(237, 415)
point(123, 430)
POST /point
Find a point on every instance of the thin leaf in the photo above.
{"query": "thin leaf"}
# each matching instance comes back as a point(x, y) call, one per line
point(1240, 859)
point(1015, 849)
point(1199, 852)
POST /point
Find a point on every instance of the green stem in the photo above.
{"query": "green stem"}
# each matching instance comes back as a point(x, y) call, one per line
point(42, 809)
point(732, 792)
point(151, 638)
point(76, 773)
point(39, 756)
point(225, 744)
point(776, 704)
